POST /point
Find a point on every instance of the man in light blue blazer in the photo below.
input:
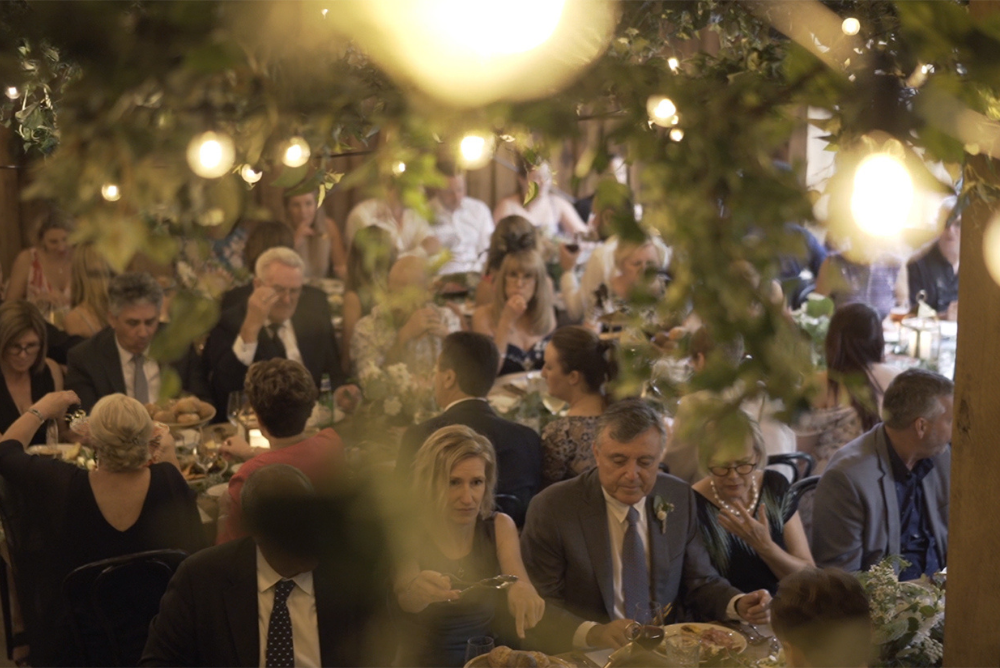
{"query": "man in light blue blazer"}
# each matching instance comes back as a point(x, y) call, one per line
point(886, 492)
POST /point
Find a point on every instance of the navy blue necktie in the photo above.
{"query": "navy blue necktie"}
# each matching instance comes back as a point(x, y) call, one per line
point(635, 573)
point(280, 651)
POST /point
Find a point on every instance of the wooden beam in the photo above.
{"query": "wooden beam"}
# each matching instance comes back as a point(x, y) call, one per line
point(973, 598)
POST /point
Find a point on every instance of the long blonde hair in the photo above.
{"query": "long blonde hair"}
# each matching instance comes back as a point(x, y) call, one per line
point(540, 309)
point(89, 281)
point(438, 456)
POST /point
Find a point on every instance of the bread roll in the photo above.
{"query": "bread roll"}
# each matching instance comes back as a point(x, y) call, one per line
point(188, 418)
point(187, 405)
point(498, 657)
point(164, 416)
point(204, 409)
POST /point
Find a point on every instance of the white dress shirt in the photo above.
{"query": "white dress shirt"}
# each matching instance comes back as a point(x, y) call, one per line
point(617, 524)
point(286, 333)
point(301, 609)
point(408, 234)
point(465, 232)
point(150, 366)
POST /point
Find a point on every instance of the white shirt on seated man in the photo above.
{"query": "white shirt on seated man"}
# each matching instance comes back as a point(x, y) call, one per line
point(462, 224)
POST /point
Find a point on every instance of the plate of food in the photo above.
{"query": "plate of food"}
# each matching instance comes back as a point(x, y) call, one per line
point(714, 640)
point(183, 413)
point(505, 657)
point(65, 451)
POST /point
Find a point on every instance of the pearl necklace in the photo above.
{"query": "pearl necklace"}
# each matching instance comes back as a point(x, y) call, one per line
point(723, 504)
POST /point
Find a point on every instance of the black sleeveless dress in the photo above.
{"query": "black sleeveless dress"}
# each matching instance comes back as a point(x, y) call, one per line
point(41, 384)
point(438, 635)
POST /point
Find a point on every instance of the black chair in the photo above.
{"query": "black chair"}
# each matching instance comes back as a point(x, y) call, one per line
point(511, 505)
point(112, 602)
point(800, 499)
point(801, 464)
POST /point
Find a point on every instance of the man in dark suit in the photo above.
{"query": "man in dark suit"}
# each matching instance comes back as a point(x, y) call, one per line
point(116, 359)
point(280, 318)
point(601, 547)
point(466, 369)
point(281, 596)
point(886, 492)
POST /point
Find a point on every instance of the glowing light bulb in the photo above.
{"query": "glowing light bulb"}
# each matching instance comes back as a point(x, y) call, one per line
point(677, 134)
point(210, 155)
point(883, 195)
point(851, 26)
point(661, 110)
point(111, 192)
point(296, 152)
point(673, 64)
point(12, 92)
point(475, 150)
point(463, 23)
point(991, 248)
point(248, 174)
point(324, 12)
point(399, 168)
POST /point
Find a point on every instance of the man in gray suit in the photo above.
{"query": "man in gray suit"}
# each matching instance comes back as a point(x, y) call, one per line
point(601, 547)
point(886, 493)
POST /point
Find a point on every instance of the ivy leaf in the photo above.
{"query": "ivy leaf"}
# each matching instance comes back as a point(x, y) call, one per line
point(531, 194)
point(291, 176)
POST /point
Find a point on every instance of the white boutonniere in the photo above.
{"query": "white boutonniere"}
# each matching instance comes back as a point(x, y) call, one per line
point(662, 508)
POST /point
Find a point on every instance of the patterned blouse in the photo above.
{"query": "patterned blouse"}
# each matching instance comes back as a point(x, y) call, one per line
point(566, 447)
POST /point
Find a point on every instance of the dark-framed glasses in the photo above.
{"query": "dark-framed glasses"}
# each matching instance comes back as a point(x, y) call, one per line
point(743, 468)
point(27, 349)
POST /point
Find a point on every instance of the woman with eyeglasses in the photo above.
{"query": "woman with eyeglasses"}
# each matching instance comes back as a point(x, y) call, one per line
point(751, 537)
point(27, 374)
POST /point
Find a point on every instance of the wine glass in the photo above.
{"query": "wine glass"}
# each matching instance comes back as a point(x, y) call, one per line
point(234, 408)
point(477, 646)
point(650, 617)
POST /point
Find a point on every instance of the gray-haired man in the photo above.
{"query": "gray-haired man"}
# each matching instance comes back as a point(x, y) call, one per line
point(886, 493)
point(602, 546)
point(116, 359)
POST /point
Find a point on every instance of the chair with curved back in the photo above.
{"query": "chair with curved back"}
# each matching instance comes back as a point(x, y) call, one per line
point(800, 498)
point(112, 602)
point(800, 463)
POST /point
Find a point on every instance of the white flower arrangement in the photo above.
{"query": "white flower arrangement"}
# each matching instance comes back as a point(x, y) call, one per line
point(393, 391)
point(907, 617)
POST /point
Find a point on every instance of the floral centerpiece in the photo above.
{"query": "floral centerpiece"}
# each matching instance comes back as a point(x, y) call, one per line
point(393, 392)
point(907, 617)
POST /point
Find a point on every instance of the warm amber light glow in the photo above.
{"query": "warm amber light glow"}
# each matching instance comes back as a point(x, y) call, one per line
point(991, 248)
point(210, 155)
point(248, 174)
point(851, 26)
point(677, 134)
point(661, 110)
point(296, 152)
point(883, 195)
point(12, 92)
point(399, 168)
point(111, 192)
point(673, 64)
point(475, 150)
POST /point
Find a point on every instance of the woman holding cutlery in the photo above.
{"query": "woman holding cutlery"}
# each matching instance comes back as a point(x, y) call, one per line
point(461, 541)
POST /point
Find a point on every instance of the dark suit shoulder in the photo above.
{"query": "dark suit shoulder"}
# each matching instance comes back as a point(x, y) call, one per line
point(219, 563)
point(99, 343)
point(860, 452)
point(566, 492)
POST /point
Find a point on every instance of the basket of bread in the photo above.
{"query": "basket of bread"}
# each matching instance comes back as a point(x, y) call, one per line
point(183, 413)
point(505, 657)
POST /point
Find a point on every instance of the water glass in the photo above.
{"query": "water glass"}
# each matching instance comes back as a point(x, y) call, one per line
point(478, 646)
point(683, 651)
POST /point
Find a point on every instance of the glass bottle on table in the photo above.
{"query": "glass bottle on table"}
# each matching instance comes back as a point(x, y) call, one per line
point(325, 401)
point(235, 412)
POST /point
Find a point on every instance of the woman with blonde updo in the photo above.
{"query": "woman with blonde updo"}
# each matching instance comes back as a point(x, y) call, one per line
point(126, 504)
point(461, 540)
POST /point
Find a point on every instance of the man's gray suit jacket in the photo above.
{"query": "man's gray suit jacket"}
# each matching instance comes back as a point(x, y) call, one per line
point(856, 510)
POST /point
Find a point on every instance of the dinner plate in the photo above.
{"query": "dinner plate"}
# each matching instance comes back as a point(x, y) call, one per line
point(215, 491)
point(713, 639)
point(66, 451)
point(483, 661)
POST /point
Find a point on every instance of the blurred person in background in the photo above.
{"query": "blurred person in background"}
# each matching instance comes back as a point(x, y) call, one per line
point(462, 224)
point(26, 372)
point(547, 211)
point(264, 236)
point(91, 275)
point(511, 235)
point(369, 260)
point(933, 272)
point(409, 231)
point(41, 274)
point(578, 365)
point(317, 238)
point(522, 316)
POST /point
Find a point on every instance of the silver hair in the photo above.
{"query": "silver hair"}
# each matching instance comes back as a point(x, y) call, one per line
point(913, 394)
point(120, 429)
point(626, 420)
point(281, 255)
point(133, 288)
